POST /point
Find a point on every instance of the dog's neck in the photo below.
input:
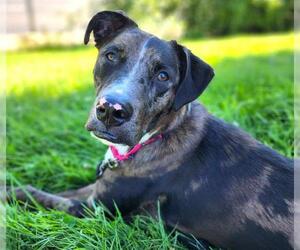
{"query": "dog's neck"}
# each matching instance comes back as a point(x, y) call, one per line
point(173, 119)
point(186, 125)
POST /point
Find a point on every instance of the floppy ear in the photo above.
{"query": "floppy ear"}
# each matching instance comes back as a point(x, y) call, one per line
point(195, 75)
point(105, 25)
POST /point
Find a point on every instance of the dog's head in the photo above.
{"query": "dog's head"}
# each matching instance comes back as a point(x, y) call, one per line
point(138, 78)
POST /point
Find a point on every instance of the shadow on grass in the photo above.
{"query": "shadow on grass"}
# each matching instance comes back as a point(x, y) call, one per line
point(256, 93)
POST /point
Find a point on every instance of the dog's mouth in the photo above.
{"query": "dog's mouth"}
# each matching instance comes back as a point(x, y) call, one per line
point(104, 135)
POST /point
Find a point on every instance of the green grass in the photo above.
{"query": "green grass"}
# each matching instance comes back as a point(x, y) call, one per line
point(49, 94)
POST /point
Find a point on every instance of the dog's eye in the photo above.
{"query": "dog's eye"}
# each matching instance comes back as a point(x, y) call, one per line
point(163, 76)
point(111, 56)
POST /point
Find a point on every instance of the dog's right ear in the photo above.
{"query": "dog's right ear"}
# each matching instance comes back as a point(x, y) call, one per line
point(107, 24)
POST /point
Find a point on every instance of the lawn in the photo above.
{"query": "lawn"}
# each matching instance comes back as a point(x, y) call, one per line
point(49, 94)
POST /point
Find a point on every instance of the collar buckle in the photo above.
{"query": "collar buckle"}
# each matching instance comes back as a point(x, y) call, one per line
point(102, 166)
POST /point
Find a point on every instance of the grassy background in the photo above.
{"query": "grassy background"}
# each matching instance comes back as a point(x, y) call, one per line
point(49, 94)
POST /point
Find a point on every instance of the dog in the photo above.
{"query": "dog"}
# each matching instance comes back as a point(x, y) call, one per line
point(212, 180)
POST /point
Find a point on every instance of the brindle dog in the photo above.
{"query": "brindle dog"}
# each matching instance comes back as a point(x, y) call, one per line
point(213, 180)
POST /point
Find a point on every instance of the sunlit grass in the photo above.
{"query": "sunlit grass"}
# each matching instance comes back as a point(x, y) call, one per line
point(50, 72)
point(214, 50)
point(49, 94)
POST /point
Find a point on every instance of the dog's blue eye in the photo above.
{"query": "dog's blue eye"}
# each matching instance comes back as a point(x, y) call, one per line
point(163, 76)
point(111, 56)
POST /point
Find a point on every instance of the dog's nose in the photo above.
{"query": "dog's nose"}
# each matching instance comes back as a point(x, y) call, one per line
point(113, 112)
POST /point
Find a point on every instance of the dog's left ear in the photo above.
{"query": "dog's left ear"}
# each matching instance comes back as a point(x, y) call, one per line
point(106, 25)
point(195, 75)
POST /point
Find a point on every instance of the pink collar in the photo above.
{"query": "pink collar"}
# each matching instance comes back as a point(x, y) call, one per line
point(134, 150)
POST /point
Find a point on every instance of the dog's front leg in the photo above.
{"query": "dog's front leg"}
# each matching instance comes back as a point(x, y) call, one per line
point(74, 205)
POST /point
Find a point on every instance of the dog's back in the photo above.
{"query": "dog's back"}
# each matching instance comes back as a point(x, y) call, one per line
point(236, 192)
